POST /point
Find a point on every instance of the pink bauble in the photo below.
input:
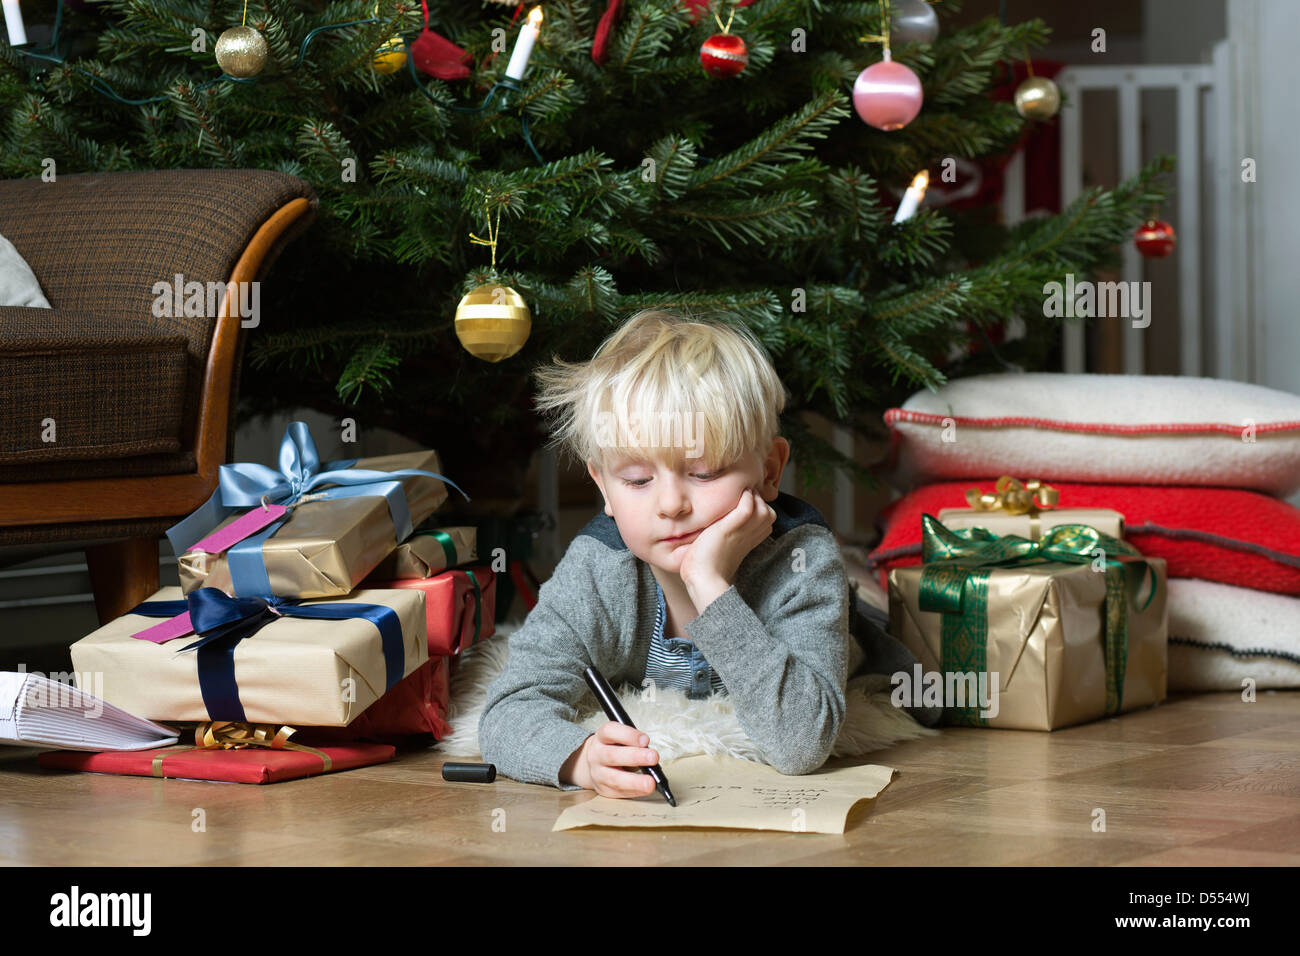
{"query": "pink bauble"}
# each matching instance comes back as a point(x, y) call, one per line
point(887, 95)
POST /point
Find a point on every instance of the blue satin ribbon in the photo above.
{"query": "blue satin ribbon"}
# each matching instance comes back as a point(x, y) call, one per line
point(222, 622)
point(245, 484)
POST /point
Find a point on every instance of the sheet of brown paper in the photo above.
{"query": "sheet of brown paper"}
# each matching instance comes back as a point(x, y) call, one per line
point(738, 794)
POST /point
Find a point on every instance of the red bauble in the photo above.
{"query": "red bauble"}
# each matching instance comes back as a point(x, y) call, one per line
point(724, 54)
point(1154, 238)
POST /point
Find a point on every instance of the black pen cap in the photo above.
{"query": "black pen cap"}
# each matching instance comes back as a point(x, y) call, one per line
point(469, 772)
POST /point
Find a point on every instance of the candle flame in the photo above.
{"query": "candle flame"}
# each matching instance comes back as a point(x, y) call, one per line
point(921, 180)
point(535, 18)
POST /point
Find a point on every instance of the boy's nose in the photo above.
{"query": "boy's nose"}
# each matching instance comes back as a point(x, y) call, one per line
point(672, 497)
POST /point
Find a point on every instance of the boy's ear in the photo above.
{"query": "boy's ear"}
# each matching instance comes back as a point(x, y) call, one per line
point(773, 466)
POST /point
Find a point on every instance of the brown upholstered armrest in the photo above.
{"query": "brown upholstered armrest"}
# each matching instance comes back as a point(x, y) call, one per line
point(100, 244)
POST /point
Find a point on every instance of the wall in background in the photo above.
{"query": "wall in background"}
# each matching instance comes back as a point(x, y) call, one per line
point(1267, 45)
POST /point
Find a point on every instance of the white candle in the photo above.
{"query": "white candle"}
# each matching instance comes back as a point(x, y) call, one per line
point(523, 46)
point(14, 21)
point(912, 198)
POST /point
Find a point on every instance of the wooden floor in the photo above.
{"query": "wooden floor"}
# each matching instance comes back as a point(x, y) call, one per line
point(1205, 780)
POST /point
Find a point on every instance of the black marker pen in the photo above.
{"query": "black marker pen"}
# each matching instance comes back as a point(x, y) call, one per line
point(614, 710)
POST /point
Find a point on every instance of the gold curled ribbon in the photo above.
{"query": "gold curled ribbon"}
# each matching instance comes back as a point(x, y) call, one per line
point(1015, 498)
point(236, 734)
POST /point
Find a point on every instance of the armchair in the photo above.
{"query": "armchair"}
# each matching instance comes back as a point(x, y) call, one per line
point(116, 404)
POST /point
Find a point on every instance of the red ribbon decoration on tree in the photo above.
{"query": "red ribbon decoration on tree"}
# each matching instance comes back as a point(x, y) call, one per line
point(600, 45)
point(435, 55)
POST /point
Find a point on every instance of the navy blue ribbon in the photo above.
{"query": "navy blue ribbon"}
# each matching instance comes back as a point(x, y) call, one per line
point(222, 622)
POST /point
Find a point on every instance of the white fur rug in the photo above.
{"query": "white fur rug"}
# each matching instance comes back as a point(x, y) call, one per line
point(676, 725)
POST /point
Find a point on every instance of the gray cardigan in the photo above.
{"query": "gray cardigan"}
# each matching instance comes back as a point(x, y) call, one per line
point(778, 637)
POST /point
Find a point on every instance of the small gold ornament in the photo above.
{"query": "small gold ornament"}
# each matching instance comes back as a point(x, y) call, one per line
point(1037, 98)
point(242, 51)
point(493, 322)
point(391, 57)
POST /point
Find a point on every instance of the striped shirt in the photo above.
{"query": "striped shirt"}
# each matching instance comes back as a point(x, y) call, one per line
point(676, 662)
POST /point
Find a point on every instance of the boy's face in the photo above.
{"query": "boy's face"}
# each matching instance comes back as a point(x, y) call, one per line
point(650, 501)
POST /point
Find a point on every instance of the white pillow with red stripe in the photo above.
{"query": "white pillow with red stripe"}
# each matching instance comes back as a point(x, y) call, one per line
point(1135, 429)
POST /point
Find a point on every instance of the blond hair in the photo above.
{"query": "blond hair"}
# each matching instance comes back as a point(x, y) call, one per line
point(665, 387)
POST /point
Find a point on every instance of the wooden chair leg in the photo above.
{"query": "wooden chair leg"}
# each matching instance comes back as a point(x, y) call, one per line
point(122, 574)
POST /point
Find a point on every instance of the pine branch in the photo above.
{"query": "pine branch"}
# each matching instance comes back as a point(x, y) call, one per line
point(368, 367)
point(756, 164)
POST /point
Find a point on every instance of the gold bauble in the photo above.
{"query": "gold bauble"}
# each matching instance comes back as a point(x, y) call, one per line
point(242, 51)
point(391, 57)
point(1037, 98)
point(493, 322)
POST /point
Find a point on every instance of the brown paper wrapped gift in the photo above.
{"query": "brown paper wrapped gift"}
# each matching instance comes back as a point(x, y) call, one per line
point(426, 553)
point(325, 548)
point(1029, 509)
point(1042, 630)
point(1034, 525)
point(300, 671)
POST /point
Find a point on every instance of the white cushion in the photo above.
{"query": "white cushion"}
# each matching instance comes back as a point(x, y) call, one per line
point(1135, 429)
point(1219, 635)
point(18, 285)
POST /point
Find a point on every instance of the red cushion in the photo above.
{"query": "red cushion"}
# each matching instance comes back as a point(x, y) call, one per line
point(1235, 537)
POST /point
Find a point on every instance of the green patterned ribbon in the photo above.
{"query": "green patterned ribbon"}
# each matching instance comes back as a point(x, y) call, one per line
point(954, 582)
point(448, 546)
point(478, 606)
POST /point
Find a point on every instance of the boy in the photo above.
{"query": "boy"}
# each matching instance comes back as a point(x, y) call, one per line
point(699, 574)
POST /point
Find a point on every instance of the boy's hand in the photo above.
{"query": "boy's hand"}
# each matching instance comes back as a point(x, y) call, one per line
point(602, 757)
point(709, 563)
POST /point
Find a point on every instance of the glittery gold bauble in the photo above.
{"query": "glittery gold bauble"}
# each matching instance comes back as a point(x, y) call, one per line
point(493, 322)
point(390, 57)
point(242, 51)
point(1037, 98)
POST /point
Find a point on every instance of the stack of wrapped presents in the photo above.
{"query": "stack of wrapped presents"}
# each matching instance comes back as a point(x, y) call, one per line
point(1031, 617)
point(319, 614)
point(1157, 552)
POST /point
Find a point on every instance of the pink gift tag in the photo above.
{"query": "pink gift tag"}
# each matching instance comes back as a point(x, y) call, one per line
point(239, 529)
point(168, 630)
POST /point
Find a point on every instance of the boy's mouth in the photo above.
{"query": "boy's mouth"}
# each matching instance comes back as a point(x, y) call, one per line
point(680, 537)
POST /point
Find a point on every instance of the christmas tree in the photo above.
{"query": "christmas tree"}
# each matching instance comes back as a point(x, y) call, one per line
point(624, 169)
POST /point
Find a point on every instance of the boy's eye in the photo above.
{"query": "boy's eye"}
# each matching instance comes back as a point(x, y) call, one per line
point(705, 476)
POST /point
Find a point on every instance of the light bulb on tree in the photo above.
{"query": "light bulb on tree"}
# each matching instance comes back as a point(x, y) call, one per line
point(524, 46)
point(14, 22)
point(912, 198)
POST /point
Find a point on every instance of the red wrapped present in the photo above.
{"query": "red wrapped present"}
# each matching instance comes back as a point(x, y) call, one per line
point(226, 751)
point(417, 704)
point(460, 605)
